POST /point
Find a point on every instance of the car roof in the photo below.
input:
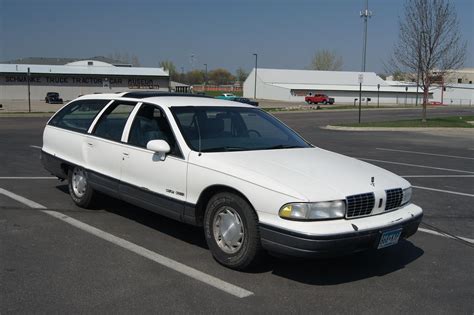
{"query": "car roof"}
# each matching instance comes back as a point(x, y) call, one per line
point(167, 99)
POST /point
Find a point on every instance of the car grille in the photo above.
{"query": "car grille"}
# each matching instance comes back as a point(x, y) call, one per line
point(360, 205)
point(394, 198)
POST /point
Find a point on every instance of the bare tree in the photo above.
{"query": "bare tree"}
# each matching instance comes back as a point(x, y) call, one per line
point(326, 60)
point(241, 75)
point(135, 61)
point(429, 43)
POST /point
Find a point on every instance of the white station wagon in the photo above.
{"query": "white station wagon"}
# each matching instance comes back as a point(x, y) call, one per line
point(251, 182)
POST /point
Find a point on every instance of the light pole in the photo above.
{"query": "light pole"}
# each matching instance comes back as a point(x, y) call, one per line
point(255, 83)
point(29, 93)
point(361, 79)
point(205, 78)
point(378, 95)
point(365, 15)
point(406, 95)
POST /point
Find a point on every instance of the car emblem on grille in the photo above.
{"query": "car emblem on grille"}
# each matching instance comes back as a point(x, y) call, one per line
point(372, 181)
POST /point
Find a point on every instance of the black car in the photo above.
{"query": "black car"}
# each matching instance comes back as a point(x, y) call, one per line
point(53, 98)
point(245, 100)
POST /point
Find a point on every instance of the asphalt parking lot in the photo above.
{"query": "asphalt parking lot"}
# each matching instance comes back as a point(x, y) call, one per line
point(116, 258)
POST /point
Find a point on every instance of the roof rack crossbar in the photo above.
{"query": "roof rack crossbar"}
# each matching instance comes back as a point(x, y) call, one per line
point(145, 94)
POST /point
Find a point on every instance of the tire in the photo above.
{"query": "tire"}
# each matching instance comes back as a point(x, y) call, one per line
point(243, 248)
point(309, 102)
point(80, 191)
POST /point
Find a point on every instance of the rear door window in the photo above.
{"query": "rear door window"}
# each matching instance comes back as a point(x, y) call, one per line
point(112, 122)
point(78, 115)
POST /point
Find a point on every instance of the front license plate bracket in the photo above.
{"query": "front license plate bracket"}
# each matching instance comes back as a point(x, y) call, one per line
point(389, 238)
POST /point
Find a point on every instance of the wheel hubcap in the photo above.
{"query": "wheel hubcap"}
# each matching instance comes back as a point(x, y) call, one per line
point(228, 230)
point(79, 182)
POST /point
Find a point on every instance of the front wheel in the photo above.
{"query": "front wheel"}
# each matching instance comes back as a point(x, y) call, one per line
point(79, 189)
point(231, 231)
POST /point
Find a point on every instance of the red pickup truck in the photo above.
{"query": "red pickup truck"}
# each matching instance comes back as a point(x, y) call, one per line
point(319, 98)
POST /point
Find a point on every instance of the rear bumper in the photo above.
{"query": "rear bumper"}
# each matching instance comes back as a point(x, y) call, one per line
point(300, 245)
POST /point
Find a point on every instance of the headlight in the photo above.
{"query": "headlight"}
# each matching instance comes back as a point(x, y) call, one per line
point(314, 210)
point(406, 196)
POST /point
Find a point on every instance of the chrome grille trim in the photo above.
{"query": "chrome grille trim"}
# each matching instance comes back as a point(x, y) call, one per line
point(393, 198)
point(360, 205)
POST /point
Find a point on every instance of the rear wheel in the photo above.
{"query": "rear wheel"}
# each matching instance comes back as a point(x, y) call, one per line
point(79, 188)
point(231, 231)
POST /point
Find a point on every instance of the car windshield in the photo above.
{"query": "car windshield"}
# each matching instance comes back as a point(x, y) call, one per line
point(220, 129)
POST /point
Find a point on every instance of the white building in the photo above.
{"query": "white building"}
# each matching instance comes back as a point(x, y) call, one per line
point(294, 85)
point(454, 94)
point(75, 78)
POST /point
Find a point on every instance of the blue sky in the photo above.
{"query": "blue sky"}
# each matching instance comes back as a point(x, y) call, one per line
point(224, 33)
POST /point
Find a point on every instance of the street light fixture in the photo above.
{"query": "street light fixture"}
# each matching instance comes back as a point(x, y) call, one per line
point(255, 85)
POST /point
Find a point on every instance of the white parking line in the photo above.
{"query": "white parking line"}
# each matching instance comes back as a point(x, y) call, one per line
point(469, 240)
point(426, 153)
point(436, 176)
point(444, 191)
point(35, 146)
point(27, 177)
point(162, 260)
point(416, 165)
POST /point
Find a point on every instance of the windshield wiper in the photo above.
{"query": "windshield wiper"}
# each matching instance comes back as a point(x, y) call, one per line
point(282, 146)
point(225, 149)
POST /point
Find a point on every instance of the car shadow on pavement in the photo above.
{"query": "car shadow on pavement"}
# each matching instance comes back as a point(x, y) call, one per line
point(350, 268)
point(184, 232)
point(374, 263)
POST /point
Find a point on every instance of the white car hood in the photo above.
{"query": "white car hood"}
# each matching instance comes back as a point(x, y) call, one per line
point(310, 174)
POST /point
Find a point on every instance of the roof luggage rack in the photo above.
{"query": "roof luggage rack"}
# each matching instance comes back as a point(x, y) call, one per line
point(145, 94)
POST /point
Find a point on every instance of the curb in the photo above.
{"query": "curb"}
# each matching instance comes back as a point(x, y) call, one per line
point(341, 128)
point(24, 115)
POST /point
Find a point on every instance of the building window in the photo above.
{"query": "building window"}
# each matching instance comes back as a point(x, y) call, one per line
point(90, 63)
point(459, 80)
point(470, 82)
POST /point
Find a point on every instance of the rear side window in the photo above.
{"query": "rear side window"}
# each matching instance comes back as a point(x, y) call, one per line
point(111, 123)
point(78, 115)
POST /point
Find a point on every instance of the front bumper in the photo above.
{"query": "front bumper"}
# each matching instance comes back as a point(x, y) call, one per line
point(289, 243)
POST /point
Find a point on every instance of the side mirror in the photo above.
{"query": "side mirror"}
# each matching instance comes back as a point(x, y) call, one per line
point(161, 147)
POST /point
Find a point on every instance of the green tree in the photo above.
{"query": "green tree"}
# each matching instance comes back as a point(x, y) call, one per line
point(221, 76)
point(195, 77)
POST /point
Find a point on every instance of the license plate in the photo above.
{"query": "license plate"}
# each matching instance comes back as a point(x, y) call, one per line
point(389, 238)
